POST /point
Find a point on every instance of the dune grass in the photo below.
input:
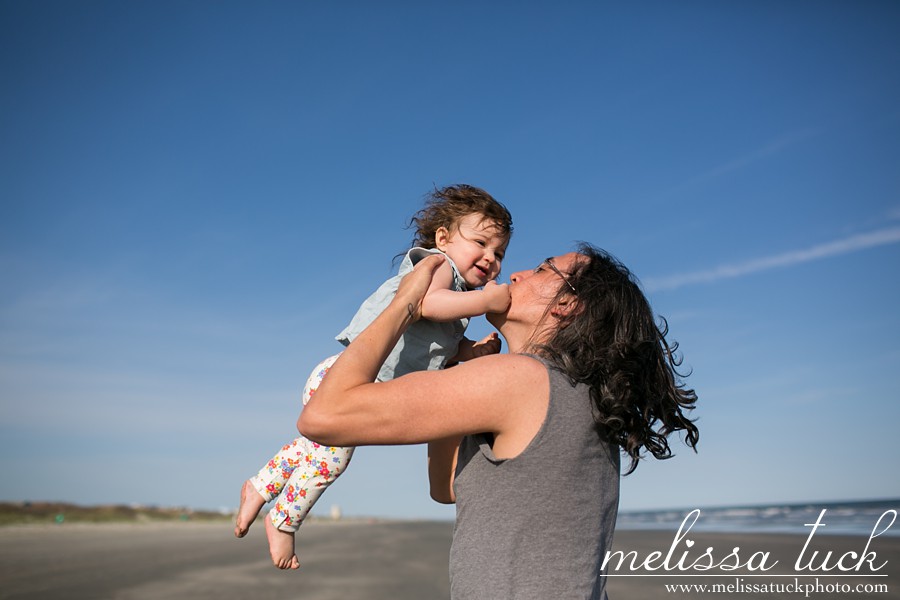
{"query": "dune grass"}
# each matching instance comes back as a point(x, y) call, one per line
point(12, 513)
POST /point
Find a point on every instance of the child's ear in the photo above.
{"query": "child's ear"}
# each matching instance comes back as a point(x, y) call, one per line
point(441, 237)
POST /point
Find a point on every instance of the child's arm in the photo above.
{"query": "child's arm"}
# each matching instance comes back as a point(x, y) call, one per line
point(442, 304)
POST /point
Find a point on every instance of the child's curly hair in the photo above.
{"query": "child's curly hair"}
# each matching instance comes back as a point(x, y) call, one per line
point(446, 206)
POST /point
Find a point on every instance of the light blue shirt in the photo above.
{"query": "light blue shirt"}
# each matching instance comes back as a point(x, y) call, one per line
point(426, 345)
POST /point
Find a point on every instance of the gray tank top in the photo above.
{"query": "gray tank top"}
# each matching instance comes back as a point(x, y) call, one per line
point(537, 526)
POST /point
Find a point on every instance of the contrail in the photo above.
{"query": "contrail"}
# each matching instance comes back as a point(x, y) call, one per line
point(853, 243)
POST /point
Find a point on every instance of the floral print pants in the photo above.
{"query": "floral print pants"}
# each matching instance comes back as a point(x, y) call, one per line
point(299, 472)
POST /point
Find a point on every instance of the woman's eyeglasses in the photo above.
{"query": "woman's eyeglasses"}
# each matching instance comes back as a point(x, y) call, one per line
point(549, 263)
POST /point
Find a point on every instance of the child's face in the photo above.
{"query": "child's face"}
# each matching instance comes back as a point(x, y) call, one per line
point(475, 246)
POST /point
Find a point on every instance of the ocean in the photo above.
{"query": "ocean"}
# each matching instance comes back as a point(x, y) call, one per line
point(840, 518)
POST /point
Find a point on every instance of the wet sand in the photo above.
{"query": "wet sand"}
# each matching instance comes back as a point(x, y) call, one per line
point(365, 561)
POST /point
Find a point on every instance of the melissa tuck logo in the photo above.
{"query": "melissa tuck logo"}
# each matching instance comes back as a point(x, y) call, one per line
point(685, 556)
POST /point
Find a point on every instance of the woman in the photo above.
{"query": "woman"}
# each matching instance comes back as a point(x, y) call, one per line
point(527, 443)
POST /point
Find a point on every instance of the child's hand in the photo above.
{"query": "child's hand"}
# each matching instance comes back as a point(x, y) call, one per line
point(469, 350)
point(497, 295)
point(489, 345)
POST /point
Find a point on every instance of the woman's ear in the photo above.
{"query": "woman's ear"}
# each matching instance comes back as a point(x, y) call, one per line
point(566, 306)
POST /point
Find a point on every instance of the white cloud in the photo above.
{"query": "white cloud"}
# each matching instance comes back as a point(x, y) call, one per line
point(772, 148)
point(847, 245)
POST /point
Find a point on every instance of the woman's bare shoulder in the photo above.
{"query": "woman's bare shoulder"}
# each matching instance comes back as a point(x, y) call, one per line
point(508, 361)
point(514, 390)
point(505, 370)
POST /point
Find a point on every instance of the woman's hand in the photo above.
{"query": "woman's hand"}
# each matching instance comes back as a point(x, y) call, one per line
point(414, 285)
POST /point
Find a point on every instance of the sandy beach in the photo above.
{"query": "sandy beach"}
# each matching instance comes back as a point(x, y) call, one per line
point(382, 560)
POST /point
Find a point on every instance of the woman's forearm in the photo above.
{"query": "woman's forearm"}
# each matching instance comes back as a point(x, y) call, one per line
point(356, 368)
point(343, 391)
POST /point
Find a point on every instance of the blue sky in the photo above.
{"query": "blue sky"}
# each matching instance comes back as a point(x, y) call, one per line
point(196, 196)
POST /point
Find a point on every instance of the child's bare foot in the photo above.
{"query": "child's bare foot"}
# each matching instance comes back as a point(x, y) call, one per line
point(281, 547)
point(251, 503)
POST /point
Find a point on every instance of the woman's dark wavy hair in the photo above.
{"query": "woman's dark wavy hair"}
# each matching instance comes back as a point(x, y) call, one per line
point(613, 344)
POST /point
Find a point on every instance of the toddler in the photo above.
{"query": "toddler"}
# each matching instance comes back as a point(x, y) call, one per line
point(472, 230)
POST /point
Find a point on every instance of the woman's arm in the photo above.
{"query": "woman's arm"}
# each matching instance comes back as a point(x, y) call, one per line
point(442, 456)
point(503, 394)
